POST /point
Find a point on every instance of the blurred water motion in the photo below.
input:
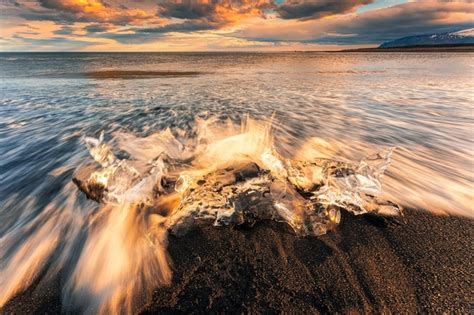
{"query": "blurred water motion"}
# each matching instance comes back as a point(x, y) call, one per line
point(339, 105)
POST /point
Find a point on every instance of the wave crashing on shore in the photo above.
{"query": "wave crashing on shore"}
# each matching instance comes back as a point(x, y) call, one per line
point(229, 177)
point(224, 173)
point(147, 187)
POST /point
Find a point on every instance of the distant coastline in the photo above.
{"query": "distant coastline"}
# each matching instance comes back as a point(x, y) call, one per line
point(419, 48)
point(412, 48)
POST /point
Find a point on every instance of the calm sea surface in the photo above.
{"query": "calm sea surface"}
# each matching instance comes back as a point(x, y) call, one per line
point(421, 103)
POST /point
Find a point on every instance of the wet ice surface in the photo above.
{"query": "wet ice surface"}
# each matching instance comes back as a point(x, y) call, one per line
point(249, 181)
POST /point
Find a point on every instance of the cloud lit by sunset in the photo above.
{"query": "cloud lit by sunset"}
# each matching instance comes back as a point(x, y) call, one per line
point(215, 25)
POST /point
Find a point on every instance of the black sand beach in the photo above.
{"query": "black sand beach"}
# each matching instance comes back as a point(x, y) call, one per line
point(365, 265)
point(123, 74)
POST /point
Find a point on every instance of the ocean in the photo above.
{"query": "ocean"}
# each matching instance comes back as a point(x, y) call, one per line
point(421, 103)
point(342, 106)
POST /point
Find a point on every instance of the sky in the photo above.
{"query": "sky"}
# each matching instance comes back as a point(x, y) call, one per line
point(222, 25)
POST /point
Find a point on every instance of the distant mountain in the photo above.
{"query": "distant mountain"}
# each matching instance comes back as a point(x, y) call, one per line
point(455, 38)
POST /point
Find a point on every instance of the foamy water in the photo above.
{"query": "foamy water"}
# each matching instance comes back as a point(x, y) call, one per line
point(336, 106)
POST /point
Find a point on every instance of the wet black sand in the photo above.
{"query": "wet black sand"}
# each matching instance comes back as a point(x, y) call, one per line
point(423, 265)
point(124, 74)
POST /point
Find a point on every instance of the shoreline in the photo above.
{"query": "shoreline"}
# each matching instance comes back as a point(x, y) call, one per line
point(366, 263)
point(418, 48)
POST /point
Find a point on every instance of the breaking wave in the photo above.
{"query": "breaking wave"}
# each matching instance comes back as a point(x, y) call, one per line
point(223, 173)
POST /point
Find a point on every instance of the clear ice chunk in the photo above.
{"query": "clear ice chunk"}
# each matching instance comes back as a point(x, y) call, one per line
point(100, 151)
point(307, 195)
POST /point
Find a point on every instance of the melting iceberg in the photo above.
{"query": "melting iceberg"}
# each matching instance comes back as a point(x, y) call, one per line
point(238, 178)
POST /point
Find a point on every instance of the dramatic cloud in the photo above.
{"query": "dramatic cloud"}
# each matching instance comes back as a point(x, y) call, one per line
point(83, 6)
point(64, 43)
point(71, 11)
point(188, 9)
point(65, 30)
point(200, 15)
point(98, 28)
point(304, 9)
point(213, 24)
point(371, 27)
point(187, 26)
point(213, 13)
point(408, 19)
point(29, 26)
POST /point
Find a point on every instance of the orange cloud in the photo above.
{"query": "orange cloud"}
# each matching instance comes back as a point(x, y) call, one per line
point(258, 24)
point(95, 11)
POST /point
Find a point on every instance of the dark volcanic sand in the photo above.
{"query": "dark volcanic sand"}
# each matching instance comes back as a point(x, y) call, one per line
point(366, 265)
point(124, 74)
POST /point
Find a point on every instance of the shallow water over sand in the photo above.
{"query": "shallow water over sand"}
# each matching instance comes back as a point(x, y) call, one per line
point(420, 103)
